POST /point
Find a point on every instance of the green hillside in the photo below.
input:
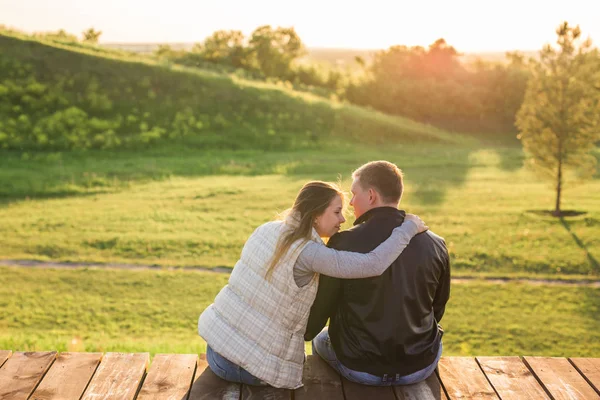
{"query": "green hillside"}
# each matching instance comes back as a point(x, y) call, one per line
point(55, 97)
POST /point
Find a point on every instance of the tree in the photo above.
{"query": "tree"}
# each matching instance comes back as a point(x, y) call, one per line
point(91, 36)
point(559, 118)
point(226, 47)
point(275, 49)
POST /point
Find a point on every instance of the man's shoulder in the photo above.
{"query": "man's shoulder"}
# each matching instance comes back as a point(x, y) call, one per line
point(427, 239)
point(435, 237)
point(428, 243)
point(432, 235)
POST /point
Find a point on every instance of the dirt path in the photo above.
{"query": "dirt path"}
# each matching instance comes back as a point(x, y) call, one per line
point(223, 269)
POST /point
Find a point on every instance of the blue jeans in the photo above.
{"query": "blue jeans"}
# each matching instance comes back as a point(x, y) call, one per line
point(321, 345)
point(229, 371)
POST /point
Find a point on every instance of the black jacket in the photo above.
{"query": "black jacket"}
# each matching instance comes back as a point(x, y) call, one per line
point(386, 324)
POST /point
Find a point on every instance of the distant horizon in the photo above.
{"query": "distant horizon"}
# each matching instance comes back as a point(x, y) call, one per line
point(147, 43)
point(470, 26)
point(318, 47)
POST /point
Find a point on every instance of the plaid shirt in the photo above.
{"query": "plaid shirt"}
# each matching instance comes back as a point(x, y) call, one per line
point(259, 324)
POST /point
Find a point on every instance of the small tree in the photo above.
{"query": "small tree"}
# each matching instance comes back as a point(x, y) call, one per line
point(227, 47)
point(91, 36)
point(275, 49)
point(558, 120)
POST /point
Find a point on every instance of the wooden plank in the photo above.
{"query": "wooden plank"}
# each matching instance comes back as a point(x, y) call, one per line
point(463, 379)
point(119, 375)
point(68, 377)
point(207, 385)
point(265, 392)
point(590, 369)
point(320, 381)
point(429, 389)
point(355, 391)
point(4, 355)
point(170, 377)
point(21, 373)
point(511, 378)
point(560, 378)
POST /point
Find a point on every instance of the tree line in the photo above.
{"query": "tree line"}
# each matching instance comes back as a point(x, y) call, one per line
point(429, 85)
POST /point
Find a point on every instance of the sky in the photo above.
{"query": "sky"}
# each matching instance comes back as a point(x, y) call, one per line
point(468, 25)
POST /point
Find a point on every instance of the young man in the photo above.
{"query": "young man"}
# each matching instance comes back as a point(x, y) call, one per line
point(383, 330)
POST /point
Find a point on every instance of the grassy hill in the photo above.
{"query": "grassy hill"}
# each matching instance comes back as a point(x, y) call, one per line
point(57, 97)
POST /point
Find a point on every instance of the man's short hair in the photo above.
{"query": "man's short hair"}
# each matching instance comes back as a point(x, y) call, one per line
point(382, 176)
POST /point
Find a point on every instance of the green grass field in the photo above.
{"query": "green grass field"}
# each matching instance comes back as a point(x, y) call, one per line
point(157, 311)
point(185, 208)
point(202, 159)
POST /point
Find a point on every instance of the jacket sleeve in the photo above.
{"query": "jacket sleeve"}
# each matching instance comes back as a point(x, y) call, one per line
point(442, 293)
point(326, 301)
point(354, 265)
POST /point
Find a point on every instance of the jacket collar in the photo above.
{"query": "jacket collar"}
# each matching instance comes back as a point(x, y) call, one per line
point(389, 211)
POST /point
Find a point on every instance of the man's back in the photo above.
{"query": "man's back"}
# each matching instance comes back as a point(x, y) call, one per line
point(386, 324)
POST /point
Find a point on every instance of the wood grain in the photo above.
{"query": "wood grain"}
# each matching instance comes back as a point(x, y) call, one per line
point(118, 377)
point(560, 378)
point(590, 369)
point(21, 373)
point(463, 379)
point(68, 377)
point(511, 378)
point(170, 377)
point(320, 381)
point(429, 389)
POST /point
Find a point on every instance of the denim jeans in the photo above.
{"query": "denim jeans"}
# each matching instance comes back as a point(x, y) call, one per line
point(229, 371)
point(321, 345)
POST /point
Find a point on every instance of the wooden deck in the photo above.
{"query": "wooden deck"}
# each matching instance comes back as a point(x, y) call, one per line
point(92, 376)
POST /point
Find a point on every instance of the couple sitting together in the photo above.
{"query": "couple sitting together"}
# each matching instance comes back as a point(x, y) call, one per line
point(383, 285)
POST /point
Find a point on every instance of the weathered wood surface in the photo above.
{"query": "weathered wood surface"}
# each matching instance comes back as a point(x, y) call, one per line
point(463, 379)
point(118, 377)
point(429, 389)
point(21, 373)
point(511, 378)
point(170, 377)
point(561, 379)
point(92, 376)
point(590, 369)
point(68, 377)
point(320, 381)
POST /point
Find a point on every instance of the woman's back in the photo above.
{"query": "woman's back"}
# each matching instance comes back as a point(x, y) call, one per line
point(259, 323)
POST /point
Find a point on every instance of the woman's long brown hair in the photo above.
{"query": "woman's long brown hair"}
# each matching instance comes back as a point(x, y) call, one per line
point(312, 201)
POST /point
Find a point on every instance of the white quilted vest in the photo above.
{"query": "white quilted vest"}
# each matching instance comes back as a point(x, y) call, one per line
point(259, 324)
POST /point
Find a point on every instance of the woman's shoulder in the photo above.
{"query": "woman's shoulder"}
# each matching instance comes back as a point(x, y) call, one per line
point(269, 228)
point(271, 225)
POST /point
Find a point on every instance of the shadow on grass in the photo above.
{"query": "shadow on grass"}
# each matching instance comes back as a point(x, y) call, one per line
point(511, 159)
point(591, 259)
point(442, 171)
point(589, 308)
point(563, 213)
point(8, 199)
point(432, 170)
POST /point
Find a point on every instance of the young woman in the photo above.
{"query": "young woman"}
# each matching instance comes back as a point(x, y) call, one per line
point(255, 328)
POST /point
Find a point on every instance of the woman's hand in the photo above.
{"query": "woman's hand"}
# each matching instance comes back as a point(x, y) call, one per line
point(418, 221)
